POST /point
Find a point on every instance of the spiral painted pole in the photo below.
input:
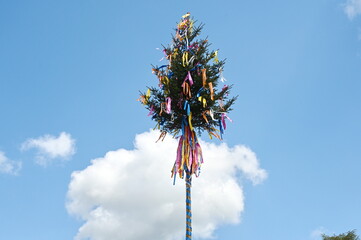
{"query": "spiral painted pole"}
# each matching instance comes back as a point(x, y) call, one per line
point(188, 206)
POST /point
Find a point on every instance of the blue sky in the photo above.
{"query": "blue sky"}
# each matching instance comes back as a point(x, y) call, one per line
point(75, 67)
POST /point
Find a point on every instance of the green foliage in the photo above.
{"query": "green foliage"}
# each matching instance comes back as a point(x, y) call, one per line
point(207, 100)
point(351, 235)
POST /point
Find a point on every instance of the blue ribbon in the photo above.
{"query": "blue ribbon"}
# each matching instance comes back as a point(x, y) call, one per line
point(163, 66)
point(200, 91)
point(162, 121)
point(184, 123)
point(187, 107)
point(220, 127)
point(196, 66)
point(170, 74)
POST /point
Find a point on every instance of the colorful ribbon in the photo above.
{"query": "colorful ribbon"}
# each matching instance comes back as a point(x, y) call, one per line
point(185, 59)
point(151, 111)
point(189, 78)
point(189, 153)
point(221, 75)
point(215, 56)
point(201, 98)
point(223, 118)
point(204, 76)
point(168, 101)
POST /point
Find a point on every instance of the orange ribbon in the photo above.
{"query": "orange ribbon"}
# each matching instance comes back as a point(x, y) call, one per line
point(204, 76)
point(204, 116)
point(211, 89)
point(162, 136)
point(186, 89)
point(163, 106)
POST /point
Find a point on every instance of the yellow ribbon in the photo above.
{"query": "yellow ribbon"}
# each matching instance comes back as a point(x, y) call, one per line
point(186, 15)
point(185, 58)
point(190, 121)
point(165, 80)
point(216, 57)
point(144, 99)
point(203, 101)
point(175, 53)
point(183, 157)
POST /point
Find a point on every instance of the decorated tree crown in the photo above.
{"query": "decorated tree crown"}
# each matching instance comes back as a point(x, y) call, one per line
point(188, 93)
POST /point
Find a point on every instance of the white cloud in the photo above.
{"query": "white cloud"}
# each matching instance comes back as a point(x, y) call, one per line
point(128, 194)
point(8, 166)
point(50, 147)
point(352, 8)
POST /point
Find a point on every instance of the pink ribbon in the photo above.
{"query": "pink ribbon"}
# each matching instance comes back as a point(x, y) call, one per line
point(224, 120)
point(190, 159)
point(178, 161)
point(168, 105)
point(151, 111)
point(189, 78)
point(225, 88)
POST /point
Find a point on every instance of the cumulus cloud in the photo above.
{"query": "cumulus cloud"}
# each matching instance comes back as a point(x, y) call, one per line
point(8, 166)
point(50, 147)
point(128, 194)
point(352, 8)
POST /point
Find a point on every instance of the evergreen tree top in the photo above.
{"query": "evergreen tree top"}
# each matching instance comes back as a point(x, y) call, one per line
point(350, 235)
point(189, 90)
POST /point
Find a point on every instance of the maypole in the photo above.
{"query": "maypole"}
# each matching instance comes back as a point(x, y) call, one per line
point(188, 206)
point(187, 100)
